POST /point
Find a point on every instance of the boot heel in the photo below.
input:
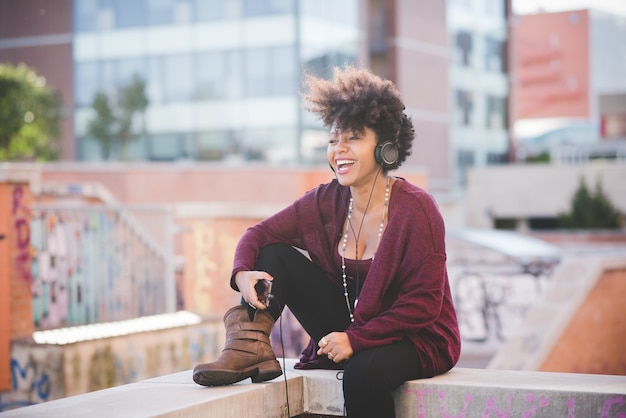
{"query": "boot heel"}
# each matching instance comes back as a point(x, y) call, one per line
point(267, 370)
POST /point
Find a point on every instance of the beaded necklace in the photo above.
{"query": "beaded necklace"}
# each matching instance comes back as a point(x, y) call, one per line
point(356, 237)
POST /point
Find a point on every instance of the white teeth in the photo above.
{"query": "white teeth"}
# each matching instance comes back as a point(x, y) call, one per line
point(342, 162)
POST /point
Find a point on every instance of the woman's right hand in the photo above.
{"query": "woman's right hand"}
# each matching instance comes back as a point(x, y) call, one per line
point(246, 280)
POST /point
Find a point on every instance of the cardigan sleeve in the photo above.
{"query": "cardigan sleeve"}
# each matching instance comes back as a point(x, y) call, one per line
point(308, 223)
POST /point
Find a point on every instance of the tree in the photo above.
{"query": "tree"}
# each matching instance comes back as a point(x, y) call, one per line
point(117, 123)
point(30, 115)
point(591, 211)
point(102, 126)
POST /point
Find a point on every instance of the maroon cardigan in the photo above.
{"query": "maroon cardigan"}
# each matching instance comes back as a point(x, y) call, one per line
point(406, 293)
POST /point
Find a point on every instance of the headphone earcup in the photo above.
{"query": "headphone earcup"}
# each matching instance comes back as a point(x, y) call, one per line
point(386, 154)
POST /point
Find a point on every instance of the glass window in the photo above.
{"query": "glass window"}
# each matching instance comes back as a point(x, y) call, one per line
point(161, 12)
point(345, 11)
point(155, 84)
point(85, 15)
point(496, 112)
point(210, 75)
point(495, 7)
point(463, 48)
point(210, 9)
point(465, 159)
point(130, 13)
point(496, 158)
point(270, 71)
point(275, 145)
point(267, 7)
point(212, 145)
point(322, 65)
point(464, 107)
point(178, 82)
point(283, 70)
point(164, 147)
point(128, 69)
point(86, 82)
point(494, 55)
point(257, 72)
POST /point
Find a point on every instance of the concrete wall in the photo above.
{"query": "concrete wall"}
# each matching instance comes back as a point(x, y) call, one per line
point(537, 190)
point(304, 393)
point(15, 265)
point(42, 372)
point(577, 324)
point(594, 340)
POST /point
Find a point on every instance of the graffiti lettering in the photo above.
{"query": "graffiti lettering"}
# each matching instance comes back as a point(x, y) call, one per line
point(490, 406)
point(539, 405)
point(608, 404)
point(21, 227)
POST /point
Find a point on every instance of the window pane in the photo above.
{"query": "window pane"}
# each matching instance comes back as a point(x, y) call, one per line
point(209, 9)
point(130, 13)
point(178, 82)
point(257, 72)
point(164, 147)
point(160, 12)
point(496, 112)
point(86, 82)
point(155, 80)
point(463, 49)
point(267, 7)
point(283, 71)
point(212, 146)
point(210, 75)
point(464, 107)
point(85, 15)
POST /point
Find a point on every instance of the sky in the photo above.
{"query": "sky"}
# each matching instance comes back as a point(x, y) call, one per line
point(533, 6)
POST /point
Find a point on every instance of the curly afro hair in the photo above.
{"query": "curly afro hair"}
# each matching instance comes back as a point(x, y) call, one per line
point(356, 98)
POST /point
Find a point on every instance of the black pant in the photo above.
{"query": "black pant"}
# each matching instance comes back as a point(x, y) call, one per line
point(370, 375)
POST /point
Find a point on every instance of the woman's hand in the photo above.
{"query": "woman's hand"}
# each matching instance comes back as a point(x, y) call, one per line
point(246, 280)
point(336, 346)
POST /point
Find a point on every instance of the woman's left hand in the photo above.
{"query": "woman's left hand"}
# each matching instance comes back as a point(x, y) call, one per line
point(336, 346)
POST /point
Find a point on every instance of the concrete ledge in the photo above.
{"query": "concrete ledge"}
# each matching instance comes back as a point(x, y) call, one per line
point(461, 393)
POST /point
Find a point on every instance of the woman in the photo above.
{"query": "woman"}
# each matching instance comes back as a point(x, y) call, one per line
point(360, 261)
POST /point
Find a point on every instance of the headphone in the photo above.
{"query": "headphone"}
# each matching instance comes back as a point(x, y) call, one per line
point(386, 154)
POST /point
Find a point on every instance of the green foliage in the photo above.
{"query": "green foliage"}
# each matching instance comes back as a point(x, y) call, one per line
point(543, 157)
point(29, 116)
point(591, 211)
point(115, 122)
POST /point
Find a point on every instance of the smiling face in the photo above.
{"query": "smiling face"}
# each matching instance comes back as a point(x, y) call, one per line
point(351, 155)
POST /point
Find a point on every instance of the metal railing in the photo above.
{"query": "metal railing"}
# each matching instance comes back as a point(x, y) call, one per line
point(94, 264)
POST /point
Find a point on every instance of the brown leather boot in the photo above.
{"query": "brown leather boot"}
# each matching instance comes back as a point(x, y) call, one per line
point(247, 352)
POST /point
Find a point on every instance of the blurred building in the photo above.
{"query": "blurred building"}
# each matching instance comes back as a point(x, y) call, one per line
point(223, 76)
point(569, 86)
point(479, 84)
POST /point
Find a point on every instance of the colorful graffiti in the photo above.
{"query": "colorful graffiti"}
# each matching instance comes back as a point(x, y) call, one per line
point(21, 215)
point(93, 265)
point(525, 405)
point(44, 373)
point(35, 377)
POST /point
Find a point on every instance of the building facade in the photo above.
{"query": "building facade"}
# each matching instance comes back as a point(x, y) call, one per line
point(479, 84)
point(569, 86)
point(222, 77)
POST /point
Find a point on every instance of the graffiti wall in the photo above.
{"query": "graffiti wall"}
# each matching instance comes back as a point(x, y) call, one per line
point(208, 246)
point(94, 264)
point(42, 373)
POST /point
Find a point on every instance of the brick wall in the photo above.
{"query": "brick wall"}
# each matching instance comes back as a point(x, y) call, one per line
point(15, 271)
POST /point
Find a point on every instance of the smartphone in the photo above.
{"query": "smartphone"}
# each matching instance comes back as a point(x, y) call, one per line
point(264, 291)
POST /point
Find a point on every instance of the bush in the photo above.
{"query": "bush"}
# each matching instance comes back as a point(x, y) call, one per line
point(591, 211)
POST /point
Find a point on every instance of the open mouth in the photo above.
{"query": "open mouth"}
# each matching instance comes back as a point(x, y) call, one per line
point(343, 165)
